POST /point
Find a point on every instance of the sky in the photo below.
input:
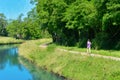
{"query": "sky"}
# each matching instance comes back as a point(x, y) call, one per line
point(13, 8)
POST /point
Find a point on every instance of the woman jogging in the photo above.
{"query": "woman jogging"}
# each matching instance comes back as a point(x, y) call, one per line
point(88, 46)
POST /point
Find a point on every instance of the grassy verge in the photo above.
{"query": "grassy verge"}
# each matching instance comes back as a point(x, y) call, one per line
point(9, 40)
point(72, 66)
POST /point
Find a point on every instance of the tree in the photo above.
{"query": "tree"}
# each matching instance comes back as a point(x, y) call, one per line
point(111, 23)
point(26, 28)
point(50, 17)
point(3, 23)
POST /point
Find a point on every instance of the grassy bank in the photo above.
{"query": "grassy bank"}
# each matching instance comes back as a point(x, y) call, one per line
point(9, 40)
point(72, 66)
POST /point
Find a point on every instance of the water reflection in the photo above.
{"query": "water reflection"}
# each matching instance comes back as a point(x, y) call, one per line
point(8, 56)
point(10, 68)
point(39, 74)
point(13, 67)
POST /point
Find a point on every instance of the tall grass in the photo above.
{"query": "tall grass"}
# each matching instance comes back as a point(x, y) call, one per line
point(72, 66)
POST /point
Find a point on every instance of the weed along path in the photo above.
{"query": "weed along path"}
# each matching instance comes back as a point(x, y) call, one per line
point(84, 53)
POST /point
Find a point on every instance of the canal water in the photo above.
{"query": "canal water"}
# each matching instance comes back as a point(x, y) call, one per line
point(12, 67)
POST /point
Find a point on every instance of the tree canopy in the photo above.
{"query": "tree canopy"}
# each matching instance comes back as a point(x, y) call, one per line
point(72, 22)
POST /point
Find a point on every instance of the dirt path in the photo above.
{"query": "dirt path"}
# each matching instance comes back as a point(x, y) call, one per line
point(84, 53)
point(93, 55)
point(43, 45)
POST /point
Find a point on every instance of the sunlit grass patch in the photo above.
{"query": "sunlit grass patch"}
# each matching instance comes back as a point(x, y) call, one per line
point(9, 40)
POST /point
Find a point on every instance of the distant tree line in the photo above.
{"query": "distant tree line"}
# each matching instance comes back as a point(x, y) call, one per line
point(22, 28)
point(70, 23)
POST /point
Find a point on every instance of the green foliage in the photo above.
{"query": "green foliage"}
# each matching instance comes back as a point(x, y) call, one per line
point(100, 41)
point(24, 30)
point(79, 15)
point(31, 30)
point(110, 22)
point(71, 22)
point(28, 28)
point(3, 23)
point(13, 28)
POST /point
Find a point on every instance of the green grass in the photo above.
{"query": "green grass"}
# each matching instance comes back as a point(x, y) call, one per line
point(72, 66)
point(9, 40)
point(3, 47)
